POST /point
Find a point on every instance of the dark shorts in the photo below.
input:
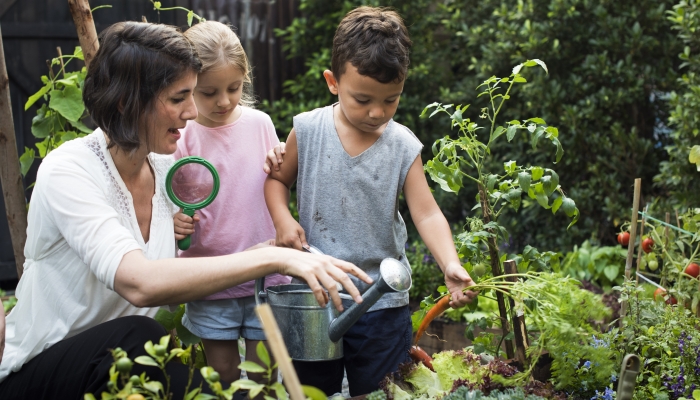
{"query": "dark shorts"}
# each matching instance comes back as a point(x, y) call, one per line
point(372, 348)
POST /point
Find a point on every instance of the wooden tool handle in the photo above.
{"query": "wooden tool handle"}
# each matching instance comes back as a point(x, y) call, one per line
point(279, 350)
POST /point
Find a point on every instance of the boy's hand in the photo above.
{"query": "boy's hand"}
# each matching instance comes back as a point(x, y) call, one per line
point(457, 279)
point(291, 234)
point(184, 224)
point(274, 158)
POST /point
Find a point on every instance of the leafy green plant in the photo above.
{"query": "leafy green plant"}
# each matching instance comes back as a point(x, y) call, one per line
point(601, 265)
point(60, 117)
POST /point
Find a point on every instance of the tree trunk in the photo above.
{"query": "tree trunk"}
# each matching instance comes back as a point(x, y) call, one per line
point(85, 25)
point(10, 176)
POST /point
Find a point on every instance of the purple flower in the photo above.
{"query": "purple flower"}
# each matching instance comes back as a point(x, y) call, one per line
point(587, 364)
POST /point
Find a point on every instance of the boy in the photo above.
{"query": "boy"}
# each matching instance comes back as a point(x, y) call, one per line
point(351, 162)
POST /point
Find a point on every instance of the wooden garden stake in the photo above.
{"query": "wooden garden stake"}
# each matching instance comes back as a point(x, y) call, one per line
point(519, 328)
point(10, 176)
point(641, 235)
point(279, 351)
point(633, 237)
point(87, 35)
point(666, 232)
point(496, 271)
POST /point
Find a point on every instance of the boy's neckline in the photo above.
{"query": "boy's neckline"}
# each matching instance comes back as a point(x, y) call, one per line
point(363, 150)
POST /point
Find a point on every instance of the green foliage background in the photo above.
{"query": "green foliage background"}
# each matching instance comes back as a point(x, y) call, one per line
point(611, 65)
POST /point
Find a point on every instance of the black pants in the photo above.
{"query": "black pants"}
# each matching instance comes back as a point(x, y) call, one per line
point(80, 364)
point(373, 347)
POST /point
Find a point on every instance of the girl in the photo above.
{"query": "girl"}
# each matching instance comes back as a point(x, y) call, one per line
point(234, 137)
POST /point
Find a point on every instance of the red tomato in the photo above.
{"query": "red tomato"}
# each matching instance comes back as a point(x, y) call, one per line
point(693, 270)
point(648, 245)
point(623, 238)
point(659, 295)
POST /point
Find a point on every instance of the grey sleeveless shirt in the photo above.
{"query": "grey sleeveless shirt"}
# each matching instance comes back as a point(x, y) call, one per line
point(349, 206)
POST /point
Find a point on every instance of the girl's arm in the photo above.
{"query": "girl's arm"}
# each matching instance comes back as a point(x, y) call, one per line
point(435, 232)
point(150, 283)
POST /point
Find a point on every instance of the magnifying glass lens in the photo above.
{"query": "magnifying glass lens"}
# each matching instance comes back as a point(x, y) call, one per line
point(192, 183)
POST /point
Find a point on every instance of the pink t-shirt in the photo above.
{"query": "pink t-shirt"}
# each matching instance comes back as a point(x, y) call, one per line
point(238, 217)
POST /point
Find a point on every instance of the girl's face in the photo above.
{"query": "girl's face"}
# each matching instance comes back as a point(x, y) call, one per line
point(173, 107)
point(217, 95)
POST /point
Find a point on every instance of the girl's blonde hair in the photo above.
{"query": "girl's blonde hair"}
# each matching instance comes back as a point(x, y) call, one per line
point(217, 46)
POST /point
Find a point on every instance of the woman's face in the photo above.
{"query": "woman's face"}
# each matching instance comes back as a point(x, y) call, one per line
point(171, 110)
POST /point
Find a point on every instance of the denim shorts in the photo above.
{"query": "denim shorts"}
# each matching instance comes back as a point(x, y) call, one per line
point(225, 319)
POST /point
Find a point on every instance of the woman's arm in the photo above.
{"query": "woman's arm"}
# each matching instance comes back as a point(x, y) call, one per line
point(435, 232)
point(149, 283)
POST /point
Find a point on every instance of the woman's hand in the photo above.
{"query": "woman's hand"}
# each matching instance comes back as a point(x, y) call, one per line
point(457, 279)
point(321, 271)
point(184, 225)
point(274, 158)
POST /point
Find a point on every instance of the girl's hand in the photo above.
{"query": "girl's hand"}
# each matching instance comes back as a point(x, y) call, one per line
point(457, 279)
point(184, 224)
point(291, 234)
point(274, 158)
point(321, 271)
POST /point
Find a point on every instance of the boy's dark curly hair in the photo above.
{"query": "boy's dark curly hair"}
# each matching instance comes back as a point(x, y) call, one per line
point(375, 41)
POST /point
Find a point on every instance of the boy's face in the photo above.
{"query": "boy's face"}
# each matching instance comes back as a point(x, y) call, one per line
point(365, 103)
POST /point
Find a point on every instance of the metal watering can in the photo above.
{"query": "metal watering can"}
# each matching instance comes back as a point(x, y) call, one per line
point(312, 332)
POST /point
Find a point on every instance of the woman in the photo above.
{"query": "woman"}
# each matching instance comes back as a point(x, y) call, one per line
point(100, 238)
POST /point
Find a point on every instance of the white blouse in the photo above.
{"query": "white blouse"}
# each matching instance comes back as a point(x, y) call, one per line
point(81, 223)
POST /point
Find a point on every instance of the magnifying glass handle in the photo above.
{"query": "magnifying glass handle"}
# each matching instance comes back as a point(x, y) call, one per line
point(184, 244)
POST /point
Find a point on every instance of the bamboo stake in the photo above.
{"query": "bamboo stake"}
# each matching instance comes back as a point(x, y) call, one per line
point(641, 235)
point(667, 233)
point(496, 271)
point(519, 328)
point(279, 351)
point(633, 237)
point(87, 35)
point(10, 176)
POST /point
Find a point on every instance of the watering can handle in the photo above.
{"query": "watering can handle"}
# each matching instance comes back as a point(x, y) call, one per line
point(259, 288)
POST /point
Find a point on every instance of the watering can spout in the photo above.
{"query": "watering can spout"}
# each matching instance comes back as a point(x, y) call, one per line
point(394, 277)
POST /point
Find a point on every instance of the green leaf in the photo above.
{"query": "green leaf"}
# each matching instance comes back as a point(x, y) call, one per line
point(146, 360)
point(536, 120)
point(556, 204)
point(611, 271)
point(537, 173)
point(524, 180)
point(313, 393)
point(541, 64)
point(560, 150)
point(36, 96)
point(80, 126)
point(166, 318)
point(250, 366)
point(542, 199)
point(510, 166)
point(279, 391)
point(263, 355)
point(514, 196)
point(190, 15)
point(548, 185)
point(694, 156)
point(43, 122)
point(510, 132)
point(43, 147)
point(491, 181)
point(496, 133)
point(26, 160)
point(569, 206)
point(536, 135)
point(68, 102)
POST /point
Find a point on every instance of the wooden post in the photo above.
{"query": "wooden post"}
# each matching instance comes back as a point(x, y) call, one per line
point(633, 237)
point(496, 271)
point(519, 328)
point(641, 236)
point(87, 35)
point(10, 176)
point(279, 351)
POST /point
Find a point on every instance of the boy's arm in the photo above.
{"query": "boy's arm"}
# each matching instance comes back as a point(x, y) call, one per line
point(277, 184)
point(435, 232)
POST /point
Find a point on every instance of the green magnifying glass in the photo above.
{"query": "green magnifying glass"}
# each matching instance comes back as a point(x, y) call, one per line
point(192, 183)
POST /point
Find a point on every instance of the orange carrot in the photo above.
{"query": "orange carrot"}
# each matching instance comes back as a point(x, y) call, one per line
point(439, 307)
point(419, 355)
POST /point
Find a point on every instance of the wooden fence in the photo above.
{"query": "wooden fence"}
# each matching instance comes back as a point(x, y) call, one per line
point(33, 29)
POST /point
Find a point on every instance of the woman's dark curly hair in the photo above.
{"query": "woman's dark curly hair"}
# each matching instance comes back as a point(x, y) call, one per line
point(135, 62)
